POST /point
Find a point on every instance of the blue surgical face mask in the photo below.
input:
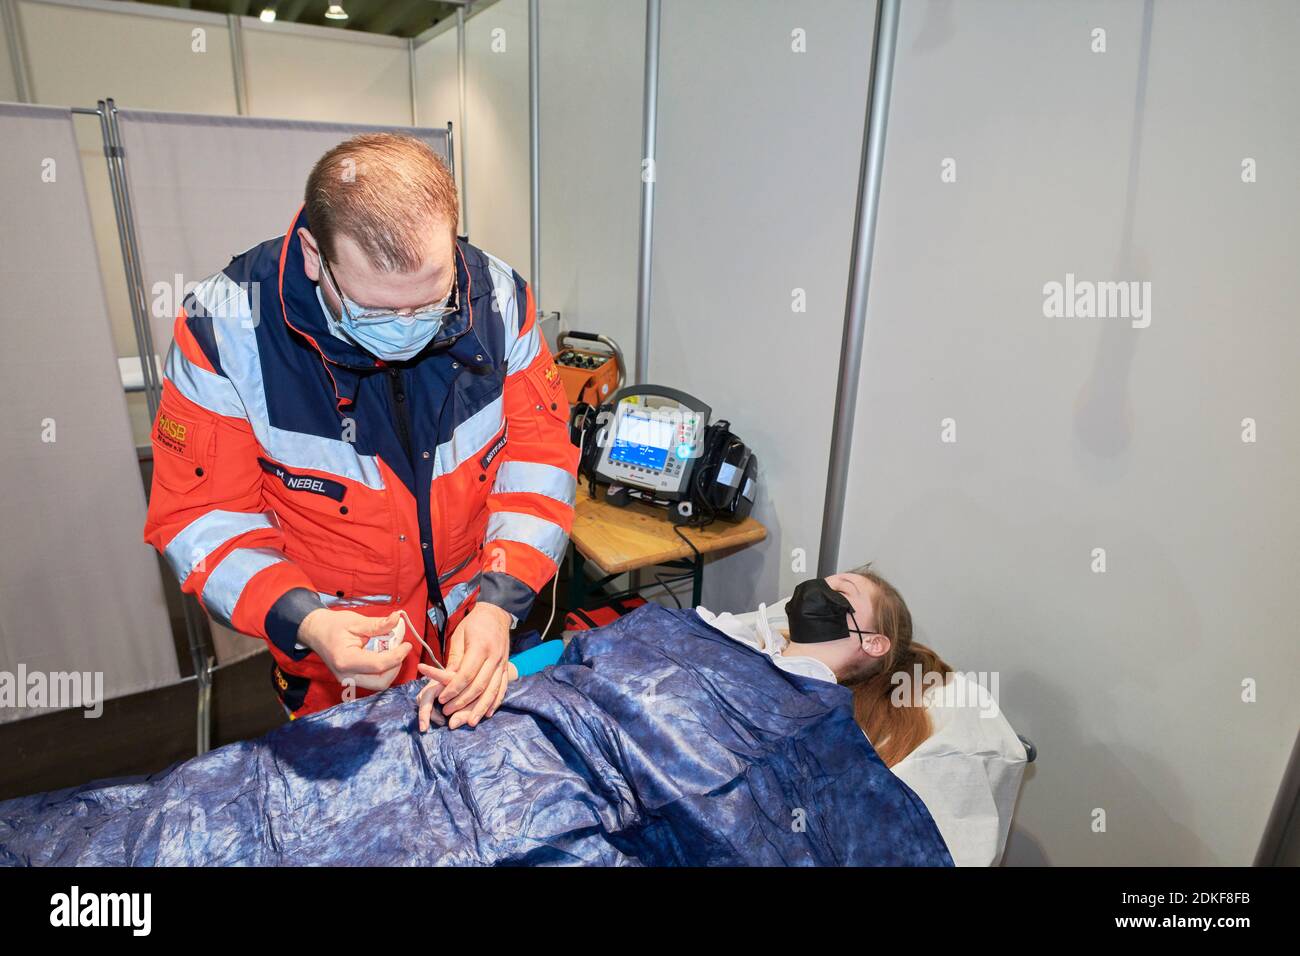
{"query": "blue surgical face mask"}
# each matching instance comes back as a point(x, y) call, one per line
point(386, 335)
point(396, 340)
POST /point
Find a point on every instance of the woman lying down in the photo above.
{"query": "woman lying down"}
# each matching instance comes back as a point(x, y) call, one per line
point(939, 731)
point(657, 740)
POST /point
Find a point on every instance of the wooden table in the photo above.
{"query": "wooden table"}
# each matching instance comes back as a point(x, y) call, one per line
point(618, 540)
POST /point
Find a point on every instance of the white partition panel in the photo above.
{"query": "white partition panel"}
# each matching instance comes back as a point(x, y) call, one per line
point(760, 132)
point(1100, 506)
point(592, 65)
point(146, 57)
point(80, 592)
point(205, 189)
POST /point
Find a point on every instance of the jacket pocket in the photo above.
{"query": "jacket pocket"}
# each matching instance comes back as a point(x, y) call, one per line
point(302, 491)
point(182, 452)
point(337, 586)
point(547, 390)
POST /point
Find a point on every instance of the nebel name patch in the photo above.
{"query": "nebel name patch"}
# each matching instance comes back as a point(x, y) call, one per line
point(308, 483)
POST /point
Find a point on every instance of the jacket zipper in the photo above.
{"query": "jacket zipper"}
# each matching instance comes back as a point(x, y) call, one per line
point(402, 413)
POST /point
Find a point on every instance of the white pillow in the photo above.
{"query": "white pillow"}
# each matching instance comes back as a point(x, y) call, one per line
point(968, 771)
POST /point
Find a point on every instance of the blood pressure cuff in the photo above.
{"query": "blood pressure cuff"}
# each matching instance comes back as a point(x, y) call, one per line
point(625, 752)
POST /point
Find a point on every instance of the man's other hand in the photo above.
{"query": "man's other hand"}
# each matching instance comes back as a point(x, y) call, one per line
point(339, 638)
point(478, 659)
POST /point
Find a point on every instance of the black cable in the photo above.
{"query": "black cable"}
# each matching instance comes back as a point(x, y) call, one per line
point(642, 591)
point(694, 550)
point(665, 585)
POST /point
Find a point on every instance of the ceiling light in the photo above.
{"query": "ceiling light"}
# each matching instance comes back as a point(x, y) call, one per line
point(267, 15)
point(336, 12)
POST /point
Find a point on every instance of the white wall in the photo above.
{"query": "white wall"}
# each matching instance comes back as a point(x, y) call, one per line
point(757, 171)
point(591, 69)
point(326, 75)
point(437, 90)
point(496, 53)
point(592, 66)
point(78, 55)
point(8, 84)
point(1076, 434)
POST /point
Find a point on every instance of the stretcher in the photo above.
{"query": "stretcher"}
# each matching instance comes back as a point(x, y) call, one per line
point(623, 753)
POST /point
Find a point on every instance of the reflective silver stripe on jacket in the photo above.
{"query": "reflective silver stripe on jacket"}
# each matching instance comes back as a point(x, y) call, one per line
point(237, 344)
point(206, 534)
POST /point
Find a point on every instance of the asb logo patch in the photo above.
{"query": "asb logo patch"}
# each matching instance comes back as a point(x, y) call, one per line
point(291, 689)
point(554, 384)
point(174, 435)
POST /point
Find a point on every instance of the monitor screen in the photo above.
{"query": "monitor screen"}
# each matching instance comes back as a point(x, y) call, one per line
point(642, 440)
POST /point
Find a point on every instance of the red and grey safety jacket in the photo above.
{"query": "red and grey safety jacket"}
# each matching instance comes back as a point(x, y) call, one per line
point(293, 470)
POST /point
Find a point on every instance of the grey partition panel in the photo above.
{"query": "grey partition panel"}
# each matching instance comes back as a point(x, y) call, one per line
point(205, 188)
point(80, 592)
point(592, 73)
point(754, 203)
point(1098, 503)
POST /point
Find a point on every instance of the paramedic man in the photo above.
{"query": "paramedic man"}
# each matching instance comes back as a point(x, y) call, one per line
point(361, 418)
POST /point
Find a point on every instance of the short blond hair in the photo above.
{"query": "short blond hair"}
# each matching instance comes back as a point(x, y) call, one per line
point(385, 192)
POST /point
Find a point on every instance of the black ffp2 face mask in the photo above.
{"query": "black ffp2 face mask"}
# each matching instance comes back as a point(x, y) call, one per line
point(818, 613)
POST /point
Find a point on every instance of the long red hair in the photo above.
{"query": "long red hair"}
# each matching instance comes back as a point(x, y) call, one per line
point(895, 729)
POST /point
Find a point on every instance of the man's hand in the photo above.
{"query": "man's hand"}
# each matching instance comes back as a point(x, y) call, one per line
point(339, 638)
point(427, 699)
point(477, 660)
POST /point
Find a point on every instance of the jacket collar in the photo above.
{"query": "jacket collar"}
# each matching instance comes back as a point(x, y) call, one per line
point(347, 363)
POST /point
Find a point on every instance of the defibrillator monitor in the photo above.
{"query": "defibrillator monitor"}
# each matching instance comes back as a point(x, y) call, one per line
point(653, 440)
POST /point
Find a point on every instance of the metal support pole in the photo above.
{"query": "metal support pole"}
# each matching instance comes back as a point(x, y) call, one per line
point(855, 308)
point(649, 121)
point(203, 716)
point(135, 280)
point(117, 178)
point(534, 157)
point(139, 316)
point(204, 666)
point(451, 151)
point(237, 63)
point(410, 63)
point(464, 160)
point(17, 50)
